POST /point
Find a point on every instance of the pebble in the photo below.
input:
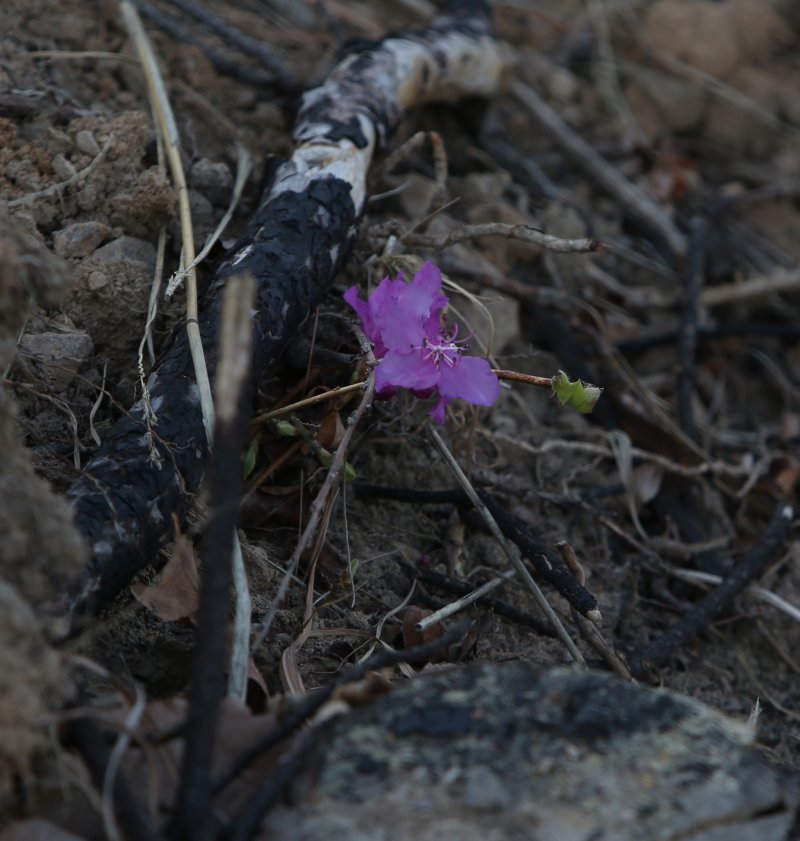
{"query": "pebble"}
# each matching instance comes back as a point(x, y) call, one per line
point(63, 168)
point(127, 248)
point(88, 197)
point(86, 143)
point(97, 280)
point(698, 32)
point(79, 239)
point(213, 179)
point(58, 356)
point(484, 790)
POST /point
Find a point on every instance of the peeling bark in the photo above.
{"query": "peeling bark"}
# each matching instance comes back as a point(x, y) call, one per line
point(297, 243)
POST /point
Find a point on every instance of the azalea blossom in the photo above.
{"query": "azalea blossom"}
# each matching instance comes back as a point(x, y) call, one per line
point(415, 348)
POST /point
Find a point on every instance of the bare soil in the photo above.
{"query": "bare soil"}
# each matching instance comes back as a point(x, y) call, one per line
point(695, 101)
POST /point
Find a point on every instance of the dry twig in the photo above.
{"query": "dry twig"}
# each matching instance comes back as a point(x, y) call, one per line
point(520, 567)
point(168, 130)
point(192, 818)
point(465, 601)
point(55, 189)
point(635, 200)
point(526, 233)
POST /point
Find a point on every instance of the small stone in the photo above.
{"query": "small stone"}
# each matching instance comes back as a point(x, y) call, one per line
point(87, 197)
point(63, 168)
point(57, 357)
point(79, 239)
point(563, 85)
point(484, 790)
point(127, 248)
point(204, 219)
point(213, 179)
point(699, 32)
point(86, 143)
point(97, 280)
point(417, 196)
point(660, 102)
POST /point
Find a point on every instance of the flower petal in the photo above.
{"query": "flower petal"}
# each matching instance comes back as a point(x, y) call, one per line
point(362, 311)
point(405, 370)
point(402, 321)
point(437, 412)
point(471, 379)
point(428, 278)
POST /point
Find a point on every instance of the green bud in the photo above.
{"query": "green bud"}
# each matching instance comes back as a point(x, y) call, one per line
point(285, 429)
point(576, 395)
point(250, 458)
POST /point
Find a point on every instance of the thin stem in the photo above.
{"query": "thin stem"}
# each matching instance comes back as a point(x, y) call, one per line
point(307, 401)
point(528, 379)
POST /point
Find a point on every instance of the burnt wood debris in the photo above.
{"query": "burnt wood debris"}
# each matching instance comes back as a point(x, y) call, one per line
point(296, 244)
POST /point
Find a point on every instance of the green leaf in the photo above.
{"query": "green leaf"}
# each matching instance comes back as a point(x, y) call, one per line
point(576, 395)
point(250, 457)
point(285, 429)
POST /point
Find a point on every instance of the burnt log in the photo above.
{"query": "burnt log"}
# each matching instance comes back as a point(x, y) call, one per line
point(296, 244)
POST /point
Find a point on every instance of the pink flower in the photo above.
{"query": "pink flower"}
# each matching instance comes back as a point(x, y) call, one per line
point(414, 349)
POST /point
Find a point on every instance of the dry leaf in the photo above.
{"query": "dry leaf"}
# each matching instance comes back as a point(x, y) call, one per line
point(331, 430)
point(646, 482)
point(257, 691)
point(411, 636)
point(176, 594)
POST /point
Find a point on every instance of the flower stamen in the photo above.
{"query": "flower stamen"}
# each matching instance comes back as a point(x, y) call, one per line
point(439, 349)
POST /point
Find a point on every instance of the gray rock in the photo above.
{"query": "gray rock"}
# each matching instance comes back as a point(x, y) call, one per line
point(128, 248)
point(79, 239)
point(63, 168)
point(213, 179)
point(97, 280)
point(56, 357)
point(86, 143)
point(506, 751)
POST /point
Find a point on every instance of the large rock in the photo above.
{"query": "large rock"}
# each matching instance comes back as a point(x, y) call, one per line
point(57, 357)
point(500, 752)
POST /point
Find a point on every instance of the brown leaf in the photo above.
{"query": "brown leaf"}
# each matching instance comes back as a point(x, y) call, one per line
point(786, 473)
point(646, 482)
point(257, 691)
point(331, 430)
point(411, 636)
point(176, 594)
point(153, 773)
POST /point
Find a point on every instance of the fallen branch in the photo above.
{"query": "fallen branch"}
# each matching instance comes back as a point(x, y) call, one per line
point(749, 568)
point(547, 564)
point(191, 819)
point(782, 280)
point(687, 334)
point(526, 233)
point(462, 588)
point(632, 197)
point(296, 244)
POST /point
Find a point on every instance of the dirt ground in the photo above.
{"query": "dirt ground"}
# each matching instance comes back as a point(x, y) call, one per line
point(694, 101)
